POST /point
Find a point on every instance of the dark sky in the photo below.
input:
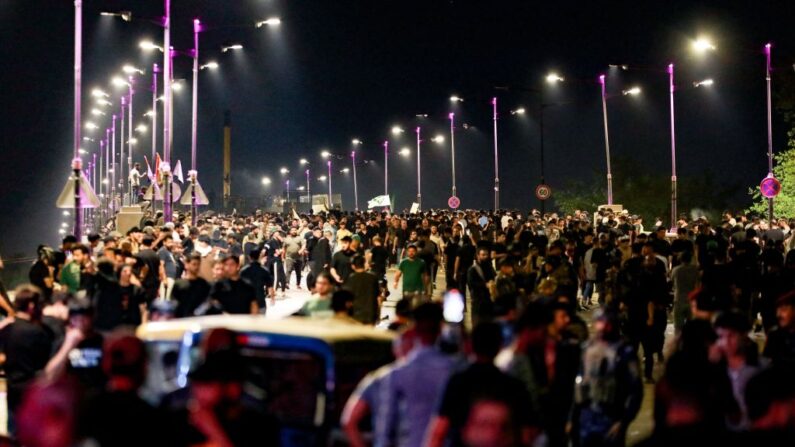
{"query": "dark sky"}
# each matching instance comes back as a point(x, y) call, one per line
point(341, 69)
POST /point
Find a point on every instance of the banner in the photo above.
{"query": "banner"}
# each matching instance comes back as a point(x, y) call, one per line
point(380, 201)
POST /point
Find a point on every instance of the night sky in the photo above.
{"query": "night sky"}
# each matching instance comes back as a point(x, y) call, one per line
point(338, 70)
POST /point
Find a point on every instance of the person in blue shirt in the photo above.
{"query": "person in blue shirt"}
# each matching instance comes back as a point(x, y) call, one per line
point(410, 393)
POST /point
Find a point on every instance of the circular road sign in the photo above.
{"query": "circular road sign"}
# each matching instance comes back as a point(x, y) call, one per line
point(543, 192)
point(770, 187)
point(454, 202)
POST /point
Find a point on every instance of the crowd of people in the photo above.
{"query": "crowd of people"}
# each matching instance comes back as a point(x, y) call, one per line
point(512, 328)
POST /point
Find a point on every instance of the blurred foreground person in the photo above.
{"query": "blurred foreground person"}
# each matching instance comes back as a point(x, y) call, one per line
point(609, 390)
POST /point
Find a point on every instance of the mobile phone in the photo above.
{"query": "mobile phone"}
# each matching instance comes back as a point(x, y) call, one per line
point(453, 306)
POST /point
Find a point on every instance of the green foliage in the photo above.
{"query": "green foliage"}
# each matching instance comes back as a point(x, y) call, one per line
point(784, 171)
point(647, 192)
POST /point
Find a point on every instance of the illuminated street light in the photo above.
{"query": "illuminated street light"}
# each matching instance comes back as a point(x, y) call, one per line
point(141, 128)
point(702, 45)
point(124, 15)
point(88, 139)
point(82, 151)
point(266, 181)
point(438, 139)
point(149, 113)
point(405, 152)
point(66, 213)
point(325, 154)
point(97, 112)
point(176, 86)
point(103, 102)
point(132, 141)
point(303, 161)
point(211, 65)
point(632, 91)
point(705, 83)
point(302, 188)
point(284, 171)
point(236, 46)
point(148, 45)
point(553, 78)
point(345, 170)
point(119, 82)
point(98, 93)
point(129, 69)
point(322, 178)
point(519, 111)
point(356, 142)
point(270, 21)
point(397, 130)
point(91, 126)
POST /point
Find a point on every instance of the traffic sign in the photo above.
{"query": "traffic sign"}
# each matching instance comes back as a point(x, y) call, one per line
point(454, 202)
point(770, 187)
point(543, 192)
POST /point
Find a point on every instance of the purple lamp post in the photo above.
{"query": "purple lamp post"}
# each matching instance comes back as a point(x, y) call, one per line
point(77, 165)
point(769, 129)
point(419, 183)
point(496, 159)
point(130, 139)
point(386, 168)
point(166, 166)
point(155, 71)
point(113, 166)
point(607, 142)
point(451, 116)
point(194, 119)
point(121, 146)
point(673, 146)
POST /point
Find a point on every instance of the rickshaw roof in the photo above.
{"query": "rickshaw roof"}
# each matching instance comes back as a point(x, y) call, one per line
point(329, 330)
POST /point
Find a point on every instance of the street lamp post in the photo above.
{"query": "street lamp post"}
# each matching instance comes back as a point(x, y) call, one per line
point(386, 168)
point(194, 118)
point(130, 139)
point(452, 145)
point(673, 146)
point(308, 191)
point(607, 142)
point(166, 167)
point(113, 166)
point(355, 184)
point(419, 183)
point(287, 184)
point(496, 159)
point(155, 71)
point(121, 148)
point(76, 162)
point(328, 163)
point(769, 129)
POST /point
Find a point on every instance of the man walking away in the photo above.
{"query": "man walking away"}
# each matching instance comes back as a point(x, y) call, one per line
point(364, 286)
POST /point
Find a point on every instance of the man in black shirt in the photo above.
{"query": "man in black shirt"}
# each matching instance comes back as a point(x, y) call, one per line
point(150, 268)
point(365, 290)
point(191, 291)
point(274, 250)
point(235, 295)
point(341, 261)
point(482, 381)
point(259, 277)
point(379, 257)
point(27, 345)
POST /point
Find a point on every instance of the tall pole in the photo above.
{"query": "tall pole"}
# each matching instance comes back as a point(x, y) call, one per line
point(166, 167)
point(355, 184)
point(113, 167)
point(386, 168)
point(121, 148)
point(673, 146)
point(155, 71)
point(101, 165)
point(419, 178)
point(452, 145)
point(607, 142)
point(308, 191)
point(330, 204)
point(769, 130)
point(287, 184)
point(496, 159)
point(129, 140)
point(194, 118)
point(76, 162)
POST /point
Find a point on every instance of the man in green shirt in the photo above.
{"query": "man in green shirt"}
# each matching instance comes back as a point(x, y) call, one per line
point(412, 270)
point(70, 274)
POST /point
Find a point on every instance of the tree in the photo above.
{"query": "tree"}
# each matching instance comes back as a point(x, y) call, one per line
point(784, 171)
point(647, 193)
